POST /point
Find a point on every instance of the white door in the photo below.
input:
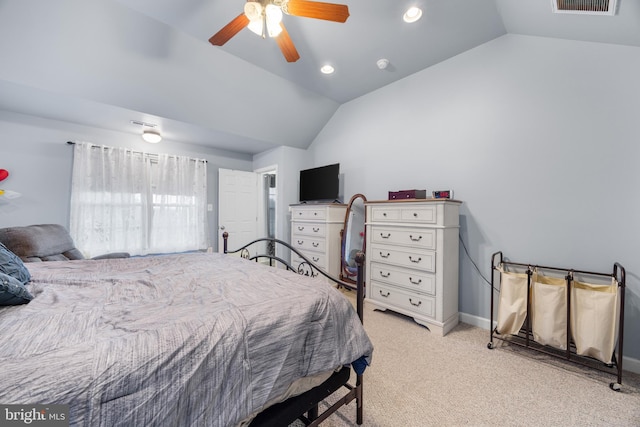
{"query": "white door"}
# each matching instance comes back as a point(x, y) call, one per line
point(237, 207)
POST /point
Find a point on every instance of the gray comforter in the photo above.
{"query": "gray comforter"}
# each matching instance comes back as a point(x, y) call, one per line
point(193, 339)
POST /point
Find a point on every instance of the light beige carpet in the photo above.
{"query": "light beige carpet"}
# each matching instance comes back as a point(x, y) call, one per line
point(419, 379)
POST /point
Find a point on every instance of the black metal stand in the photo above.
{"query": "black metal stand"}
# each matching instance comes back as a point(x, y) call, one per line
point(524, 337)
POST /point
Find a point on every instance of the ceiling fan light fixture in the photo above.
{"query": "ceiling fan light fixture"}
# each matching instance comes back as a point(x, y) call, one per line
point(253, 10)
point(151, 136)
point(273, 18)
point(274, 30)
point(412, 14)
point(273, 14)
point(263, 18)
point(256, 27)
point(327, 69)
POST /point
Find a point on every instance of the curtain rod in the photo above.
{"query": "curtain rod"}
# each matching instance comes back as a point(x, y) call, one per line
point(151, 155)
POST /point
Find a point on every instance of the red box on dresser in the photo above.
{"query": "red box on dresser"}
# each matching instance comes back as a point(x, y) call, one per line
point(407, 194)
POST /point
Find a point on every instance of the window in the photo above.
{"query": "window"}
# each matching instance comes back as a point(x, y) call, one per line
point(123, 200)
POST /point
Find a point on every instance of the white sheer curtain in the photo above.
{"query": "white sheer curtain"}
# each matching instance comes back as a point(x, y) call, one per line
point(179, 221)
point(122, 200)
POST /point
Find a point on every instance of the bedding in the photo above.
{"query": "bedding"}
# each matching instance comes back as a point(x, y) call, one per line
point(188, 339)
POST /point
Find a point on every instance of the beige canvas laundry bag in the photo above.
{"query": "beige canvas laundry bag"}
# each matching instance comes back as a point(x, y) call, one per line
point(595, 319)
point(512, 305)
point(549, 310)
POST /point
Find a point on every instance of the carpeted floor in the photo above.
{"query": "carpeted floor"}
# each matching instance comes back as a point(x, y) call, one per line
point(419, 379)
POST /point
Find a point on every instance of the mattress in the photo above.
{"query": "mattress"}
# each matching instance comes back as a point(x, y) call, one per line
point(188, 339)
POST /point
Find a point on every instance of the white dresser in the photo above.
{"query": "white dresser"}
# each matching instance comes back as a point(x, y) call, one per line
point(412, 260)
point(315, 231)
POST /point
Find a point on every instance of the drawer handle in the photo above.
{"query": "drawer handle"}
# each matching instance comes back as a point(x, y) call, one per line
point(299, 213)
point(316, 229)
point(415, 215)
point(300, 242)
point(300, 228)
point(315, 259)
point(385, 275)
point(315, 213)
point(381, 294)
point(414, 282)
point(315, 244)
point(414, 304)
point(415, 260)
point(384, 214)
point(385, 237)
point(385, 256)
point(415, 239)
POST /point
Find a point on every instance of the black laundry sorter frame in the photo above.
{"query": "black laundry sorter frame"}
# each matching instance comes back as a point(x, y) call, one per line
point(525, 338)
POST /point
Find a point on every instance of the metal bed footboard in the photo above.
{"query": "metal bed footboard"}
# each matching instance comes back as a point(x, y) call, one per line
point(310, 416)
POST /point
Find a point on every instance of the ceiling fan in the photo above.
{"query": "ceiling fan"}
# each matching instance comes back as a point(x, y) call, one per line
point(264, 17)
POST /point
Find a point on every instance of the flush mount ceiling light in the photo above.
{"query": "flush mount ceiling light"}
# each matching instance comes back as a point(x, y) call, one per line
point(412, 14)
point(151, 136)
point(327, 69)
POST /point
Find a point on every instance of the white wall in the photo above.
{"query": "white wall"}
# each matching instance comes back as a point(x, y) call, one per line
point(538, 137)
point(35, 152)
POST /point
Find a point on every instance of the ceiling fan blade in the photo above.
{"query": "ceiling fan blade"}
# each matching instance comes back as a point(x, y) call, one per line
point(317, 10)
point(286, 45)
point(229, 30)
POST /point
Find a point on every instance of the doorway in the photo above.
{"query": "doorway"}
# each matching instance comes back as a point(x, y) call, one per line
point(248, 206)
point(268, 203)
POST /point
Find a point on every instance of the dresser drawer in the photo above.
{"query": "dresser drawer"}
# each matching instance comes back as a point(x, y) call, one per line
point(415, 303)
point(415, 258)
point(308, 214)
point(380, 213)
point(320, 260)
point(422, 214)
point(309, 229)
point(417, 281)
point(425, 239)
point(418, 214)
point(308, 244)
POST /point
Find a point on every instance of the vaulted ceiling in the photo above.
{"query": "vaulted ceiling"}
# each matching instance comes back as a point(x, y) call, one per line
point(104, 64)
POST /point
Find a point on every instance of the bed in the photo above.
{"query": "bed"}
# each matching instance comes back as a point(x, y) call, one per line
point(184, 339)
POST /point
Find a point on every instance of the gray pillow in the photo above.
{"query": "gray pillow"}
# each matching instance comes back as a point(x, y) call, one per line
point(12, 292)
point(11, 265)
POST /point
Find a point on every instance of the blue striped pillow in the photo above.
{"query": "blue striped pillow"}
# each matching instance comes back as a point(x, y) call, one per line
point(12, 265)
point(12, 292)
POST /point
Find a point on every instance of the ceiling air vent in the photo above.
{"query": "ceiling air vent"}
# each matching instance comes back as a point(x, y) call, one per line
point(139, 123)
point(587, 7)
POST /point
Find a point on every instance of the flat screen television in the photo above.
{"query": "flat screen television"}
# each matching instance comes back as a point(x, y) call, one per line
point(320, 184)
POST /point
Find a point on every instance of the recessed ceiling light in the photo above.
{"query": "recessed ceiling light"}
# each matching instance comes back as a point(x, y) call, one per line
point(327, 69)
point(412, 14)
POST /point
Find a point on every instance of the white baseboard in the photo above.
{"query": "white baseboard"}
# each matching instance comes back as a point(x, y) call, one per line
point(472, 320)
point(628, 363)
